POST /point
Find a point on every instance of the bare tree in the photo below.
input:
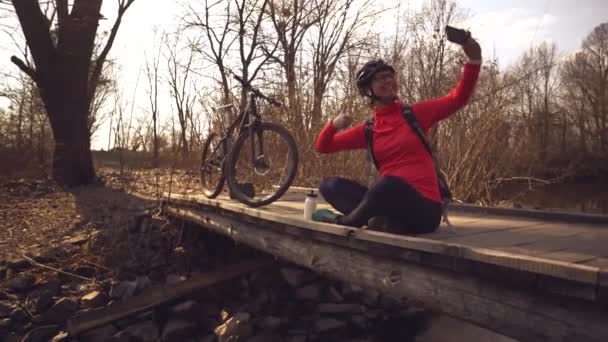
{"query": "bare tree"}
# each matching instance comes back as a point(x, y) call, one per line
point(63, 75)
point(338, 24)
point(586, 76)
point(181, 86)
point(291, 20)
point(249, 17)
point(219, 39)
point(153, 83)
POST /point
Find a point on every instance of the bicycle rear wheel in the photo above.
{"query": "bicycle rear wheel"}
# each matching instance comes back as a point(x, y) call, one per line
point(256, 178)
point(211, 167)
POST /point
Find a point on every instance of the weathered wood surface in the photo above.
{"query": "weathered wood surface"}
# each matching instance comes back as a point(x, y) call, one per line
point(490, 239)
point(522, 297)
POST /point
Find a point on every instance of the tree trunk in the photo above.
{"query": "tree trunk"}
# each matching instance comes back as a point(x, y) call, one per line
point(66, 77)
point(68, 113)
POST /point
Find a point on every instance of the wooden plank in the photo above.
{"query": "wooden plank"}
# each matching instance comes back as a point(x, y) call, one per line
point(560, 216)
point(525, 316)
point(601, 262)
point(549, 267)
point(504, 237)
point(156, 296)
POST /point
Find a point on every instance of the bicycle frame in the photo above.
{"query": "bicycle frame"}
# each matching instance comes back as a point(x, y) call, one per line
point(246, 120)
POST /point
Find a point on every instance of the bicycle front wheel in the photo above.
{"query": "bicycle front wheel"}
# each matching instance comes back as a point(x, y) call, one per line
point(261, 166)
point(211, 167)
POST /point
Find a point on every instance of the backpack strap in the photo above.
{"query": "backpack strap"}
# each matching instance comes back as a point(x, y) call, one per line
point(410, 118)
point(369, 138)
point(444, 189)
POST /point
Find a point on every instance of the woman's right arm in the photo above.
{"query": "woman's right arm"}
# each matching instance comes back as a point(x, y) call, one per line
point(330, 141)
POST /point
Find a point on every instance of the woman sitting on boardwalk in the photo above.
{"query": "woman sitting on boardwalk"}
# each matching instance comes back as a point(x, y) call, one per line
point(407, 192)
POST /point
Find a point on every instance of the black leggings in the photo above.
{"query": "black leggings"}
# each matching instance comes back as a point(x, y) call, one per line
point(389, 197)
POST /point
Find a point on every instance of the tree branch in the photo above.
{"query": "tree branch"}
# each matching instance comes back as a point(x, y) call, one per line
point(122, 8)
point(62, 14)
point(37, 35)
point(21, 65)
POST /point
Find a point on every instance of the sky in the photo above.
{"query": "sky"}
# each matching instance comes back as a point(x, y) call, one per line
point(507, 28)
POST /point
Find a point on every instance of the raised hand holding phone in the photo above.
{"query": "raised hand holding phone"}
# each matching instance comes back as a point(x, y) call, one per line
point(469, 45)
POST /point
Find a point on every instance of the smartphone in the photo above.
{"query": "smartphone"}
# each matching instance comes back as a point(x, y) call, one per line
point(455, 35)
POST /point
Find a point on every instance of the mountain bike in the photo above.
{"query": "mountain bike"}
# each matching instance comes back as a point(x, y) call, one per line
point(248, 156)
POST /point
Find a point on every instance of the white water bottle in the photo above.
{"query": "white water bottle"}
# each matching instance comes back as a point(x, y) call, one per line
point(310, 205)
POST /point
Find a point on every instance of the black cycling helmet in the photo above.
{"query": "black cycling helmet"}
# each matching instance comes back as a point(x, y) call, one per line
point(366, 74)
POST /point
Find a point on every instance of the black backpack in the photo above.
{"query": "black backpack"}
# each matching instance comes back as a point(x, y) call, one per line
point(410, 118)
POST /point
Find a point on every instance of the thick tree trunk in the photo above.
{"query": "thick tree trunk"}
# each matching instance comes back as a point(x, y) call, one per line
point(66, 77)
point(67, 108)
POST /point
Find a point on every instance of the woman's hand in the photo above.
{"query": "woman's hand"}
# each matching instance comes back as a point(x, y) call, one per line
point(341, 121)
point(472, 49)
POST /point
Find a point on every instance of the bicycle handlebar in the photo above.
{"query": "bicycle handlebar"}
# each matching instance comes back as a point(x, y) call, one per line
point(256, 91)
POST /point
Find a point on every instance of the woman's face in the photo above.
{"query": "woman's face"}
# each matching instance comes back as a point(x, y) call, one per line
point(384, 84)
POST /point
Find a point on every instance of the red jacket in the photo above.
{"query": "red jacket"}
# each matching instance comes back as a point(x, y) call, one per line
point(397, 148)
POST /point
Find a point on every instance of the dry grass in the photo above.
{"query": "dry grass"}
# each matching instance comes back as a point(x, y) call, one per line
point(97, 227)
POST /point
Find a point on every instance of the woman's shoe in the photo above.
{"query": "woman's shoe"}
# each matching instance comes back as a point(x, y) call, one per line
point(325, 215)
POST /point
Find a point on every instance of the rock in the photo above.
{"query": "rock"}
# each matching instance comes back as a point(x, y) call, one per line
point(269, 323)
point(41, 298)
point(102, 334)
point(53, 286)
point(56, 253)
point(18, 264)
point(143, 282)
point(334, 295)
point(388, 303)
point(327, 324)
point(188, 310)
point(93, 300)
point(360, 321)
point(6, 323)
point(293, 276)
point(19, 316)
point(21, 283)
point(370, 297)
point(43, 301)
point(309, 292)
point(85, 271)
point(41, 334)
point(372, 314)
point(6, 308)
point(178, 330)
point(333, 308)
point(238, 325)
point(146, 331)
point(174, 279)
point(123, 290)
point(61, 337)
point(61, 311)
point(351, 289)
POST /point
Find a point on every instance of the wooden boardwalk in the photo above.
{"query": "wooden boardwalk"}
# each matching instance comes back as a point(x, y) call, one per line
point(533, 276)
